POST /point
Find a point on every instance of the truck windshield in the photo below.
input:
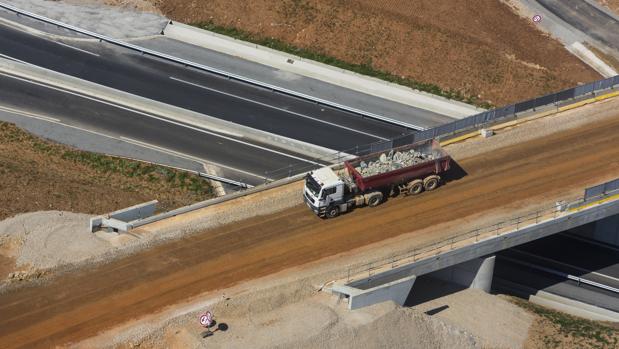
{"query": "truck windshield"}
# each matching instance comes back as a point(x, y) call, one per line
point(312, 185)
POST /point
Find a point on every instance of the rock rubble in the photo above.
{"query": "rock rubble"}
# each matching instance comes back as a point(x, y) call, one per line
point(392, 161)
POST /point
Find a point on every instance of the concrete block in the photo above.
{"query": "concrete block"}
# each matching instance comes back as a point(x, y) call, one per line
point(579, 50)
point(571, 308)
point(396, 291)
point(138, 211)
point(116, 225)
point(485, 132)
point(95, 223)
point(476, 273)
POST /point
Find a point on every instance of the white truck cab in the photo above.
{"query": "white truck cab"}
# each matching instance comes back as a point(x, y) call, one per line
point(324, 189)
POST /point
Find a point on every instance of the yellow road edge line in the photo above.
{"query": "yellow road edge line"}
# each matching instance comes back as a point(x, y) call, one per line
point(601, 201)
point(459, 138)
point(532, 117)
point(606, 96)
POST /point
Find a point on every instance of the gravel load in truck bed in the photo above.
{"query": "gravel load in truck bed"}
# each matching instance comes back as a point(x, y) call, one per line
point(392, 161)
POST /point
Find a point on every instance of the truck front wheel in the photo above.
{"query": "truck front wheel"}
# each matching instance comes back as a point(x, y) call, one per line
point(333, 212)
point(375, 199)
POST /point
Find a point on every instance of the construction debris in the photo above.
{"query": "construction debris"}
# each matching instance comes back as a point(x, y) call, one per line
point(392, 161)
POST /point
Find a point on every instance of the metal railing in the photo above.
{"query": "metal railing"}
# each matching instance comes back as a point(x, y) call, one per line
point(187, 63)
point(436, 247)
point(473, 122)
point(602, 190)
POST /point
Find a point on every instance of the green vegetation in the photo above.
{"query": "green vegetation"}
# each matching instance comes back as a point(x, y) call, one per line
point(132, 168)
point(595, 334)
point(365, 68)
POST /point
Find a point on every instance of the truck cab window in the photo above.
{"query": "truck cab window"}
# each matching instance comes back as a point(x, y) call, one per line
point(327, 192)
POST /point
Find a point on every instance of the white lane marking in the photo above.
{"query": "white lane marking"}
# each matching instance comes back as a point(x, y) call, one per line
point(169, 121)
point(14, 59)
point(134, 142)
point(28, 114)
point(189, 157)
point(76, 48)
point(566, 265)
point(277, 108)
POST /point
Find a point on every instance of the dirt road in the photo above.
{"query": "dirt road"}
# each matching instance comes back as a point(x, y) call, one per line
point(78, 305)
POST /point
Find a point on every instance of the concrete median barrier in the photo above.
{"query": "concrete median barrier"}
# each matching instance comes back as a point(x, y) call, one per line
point(158, 109)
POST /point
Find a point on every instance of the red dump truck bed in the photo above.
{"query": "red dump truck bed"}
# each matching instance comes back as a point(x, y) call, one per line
point(369, 172)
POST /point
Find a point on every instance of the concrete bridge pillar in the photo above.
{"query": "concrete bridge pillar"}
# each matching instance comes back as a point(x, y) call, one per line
point(476, 273)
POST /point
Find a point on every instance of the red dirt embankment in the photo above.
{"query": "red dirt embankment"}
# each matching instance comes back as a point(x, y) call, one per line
point(479, 47)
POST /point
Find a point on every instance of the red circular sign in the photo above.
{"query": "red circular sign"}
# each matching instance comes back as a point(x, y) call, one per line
point(537, 18)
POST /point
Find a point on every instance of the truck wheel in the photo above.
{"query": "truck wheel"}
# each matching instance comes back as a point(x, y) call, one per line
point(375, 199)
point(431, 182)
point(333, 212)
point(415, 187)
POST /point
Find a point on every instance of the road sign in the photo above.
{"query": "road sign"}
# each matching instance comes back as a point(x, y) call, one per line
point(537, 18)
point(206, 319)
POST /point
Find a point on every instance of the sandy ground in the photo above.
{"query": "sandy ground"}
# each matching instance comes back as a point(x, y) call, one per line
point(613, 5)
point(133, 18)
point(321, 322)
point(498, 185)
point(496, 322)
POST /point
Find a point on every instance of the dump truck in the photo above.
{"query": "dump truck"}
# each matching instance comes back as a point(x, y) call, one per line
point(368, 180)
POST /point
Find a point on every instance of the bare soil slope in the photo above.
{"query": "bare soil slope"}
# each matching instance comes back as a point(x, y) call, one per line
point(479, 47)
point(42, 175)
point(613, 5)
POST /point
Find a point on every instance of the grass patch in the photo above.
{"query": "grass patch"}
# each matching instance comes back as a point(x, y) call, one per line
point(364, 69)
point(593, 333)
point(131, 168)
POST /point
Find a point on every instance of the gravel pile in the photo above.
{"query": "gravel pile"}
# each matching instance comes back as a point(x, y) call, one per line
point(392, 161)
point(47, 239)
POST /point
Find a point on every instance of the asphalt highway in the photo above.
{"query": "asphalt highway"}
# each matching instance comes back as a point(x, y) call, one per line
point(247, 161)
point(586, 18)
point(529, 265)
point(198, 91)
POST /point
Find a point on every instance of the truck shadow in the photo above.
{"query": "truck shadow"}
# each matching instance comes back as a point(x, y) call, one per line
point(455, 172)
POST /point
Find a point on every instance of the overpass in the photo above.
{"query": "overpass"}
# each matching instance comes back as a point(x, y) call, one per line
point(468, 259)
point(526, 166)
